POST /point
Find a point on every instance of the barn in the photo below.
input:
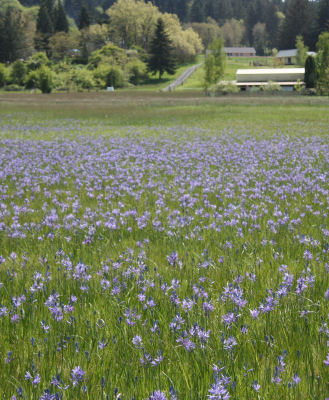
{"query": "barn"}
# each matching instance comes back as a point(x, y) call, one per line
point(240, 51)
point(287, 78)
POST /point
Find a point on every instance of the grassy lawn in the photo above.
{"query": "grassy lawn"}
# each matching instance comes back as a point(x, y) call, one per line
point(233, 64)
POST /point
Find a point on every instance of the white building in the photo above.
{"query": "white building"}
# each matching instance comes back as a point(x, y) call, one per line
point(287, 78)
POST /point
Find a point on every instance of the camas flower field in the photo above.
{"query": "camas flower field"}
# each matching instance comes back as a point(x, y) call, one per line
point(159, 262)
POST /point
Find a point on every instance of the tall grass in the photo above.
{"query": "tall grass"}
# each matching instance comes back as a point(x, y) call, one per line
point(179, 250)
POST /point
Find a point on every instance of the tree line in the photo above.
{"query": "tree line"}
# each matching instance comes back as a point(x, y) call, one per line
point(73, 31)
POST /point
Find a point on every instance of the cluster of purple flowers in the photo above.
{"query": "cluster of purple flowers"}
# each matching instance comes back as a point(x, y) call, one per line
point(140, 259)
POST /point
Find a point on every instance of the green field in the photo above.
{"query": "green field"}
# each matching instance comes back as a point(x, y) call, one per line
point(164, 246)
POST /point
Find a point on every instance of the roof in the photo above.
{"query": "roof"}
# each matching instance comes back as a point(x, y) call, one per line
point(287, 53)
point(292, 83)
point(266, 71)
point(239, 50)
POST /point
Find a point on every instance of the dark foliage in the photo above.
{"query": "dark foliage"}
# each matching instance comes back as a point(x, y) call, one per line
point(12, 37)
point(84, 17)
point(161, 57)
point(310, 73)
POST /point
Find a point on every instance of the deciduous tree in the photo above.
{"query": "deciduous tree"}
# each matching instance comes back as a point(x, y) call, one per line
point(214, 64)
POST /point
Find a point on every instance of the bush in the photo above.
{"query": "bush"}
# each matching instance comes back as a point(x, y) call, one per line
point(45, 80)
point(3, 75)
point(110, 54)
point(115, 78)
point(37, 61)
point(223, 88)
point(13, 88)
point(310, 72)
point(271, 87)
point(137, 71)
point(18, 72)
point(83, 79)
point(32, 80)
point(106, 75)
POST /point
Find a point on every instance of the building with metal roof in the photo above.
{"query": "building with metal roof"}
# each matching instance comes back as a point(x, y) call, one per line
point(288, 57)
point(240, 51)
point(287, 78)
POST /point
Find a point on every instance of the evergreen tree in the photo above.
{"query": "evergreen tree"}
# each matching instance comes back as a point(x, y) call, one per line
point(12, 36)
point(45, 26)
point(61, 23)
point(197, 12)
point(310, 73)
point(323, 20)
point(72, 8)
point(297, 22)
point(84, 17)
point(161, 56)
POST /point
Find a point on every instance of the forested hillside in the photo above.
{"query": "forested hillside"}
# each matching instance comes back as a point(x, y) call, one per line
point(100, 43)
point(277, 21)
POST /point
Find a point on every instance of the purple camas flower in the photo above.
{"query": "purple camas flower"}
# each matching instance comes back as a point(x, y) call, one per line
point(326, 361)
point(157, 395)
point(218, 391)
point(256, 386)
point(137, 342)
point(77, 375)
point(308, 255)
point(47, 395)
point(296, 379)
point(230, 343)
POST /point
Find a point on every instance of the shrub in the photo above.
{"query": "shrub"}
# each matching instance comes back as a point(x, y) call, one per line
point(37, 61)
point(310, 72)
point(110, 54)
point(115, 77)
point(18, 72)
point(83, 79)
point(106, 75)
point(3, 75)
point(223, 88)
point(137, 71)
point(13, 88)
point(32, 80)
point(271, 87)
point(45, 80)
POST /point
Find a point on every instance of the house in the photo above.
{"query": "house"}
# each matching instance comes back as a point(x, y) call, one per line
point(240, 51)
point(288, 57)
point(287, 78)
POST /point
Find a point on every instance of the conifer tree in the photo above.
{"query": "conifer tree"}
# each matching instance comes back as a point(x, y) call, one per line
point(12, 38)
point(323, 16)
point(161, 56)
point(84, 17)
point(310, 72)
point(61, 24)
point(197, 12)
point(45, 26)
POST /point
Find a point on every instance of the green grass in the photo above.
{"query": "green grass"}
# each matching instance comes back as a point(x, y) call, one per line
point(232, 65)
point(190, 108)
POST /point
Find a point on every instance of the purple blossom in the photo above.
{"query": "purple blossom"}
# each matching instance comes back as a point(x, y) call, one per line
point(256, 386)
point(77, 375)
point(157, 395)
point(326, 361)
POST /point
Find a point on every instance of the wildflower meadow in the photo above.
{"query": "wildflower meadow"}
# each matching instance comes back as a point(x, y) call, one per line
point(163, 262)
